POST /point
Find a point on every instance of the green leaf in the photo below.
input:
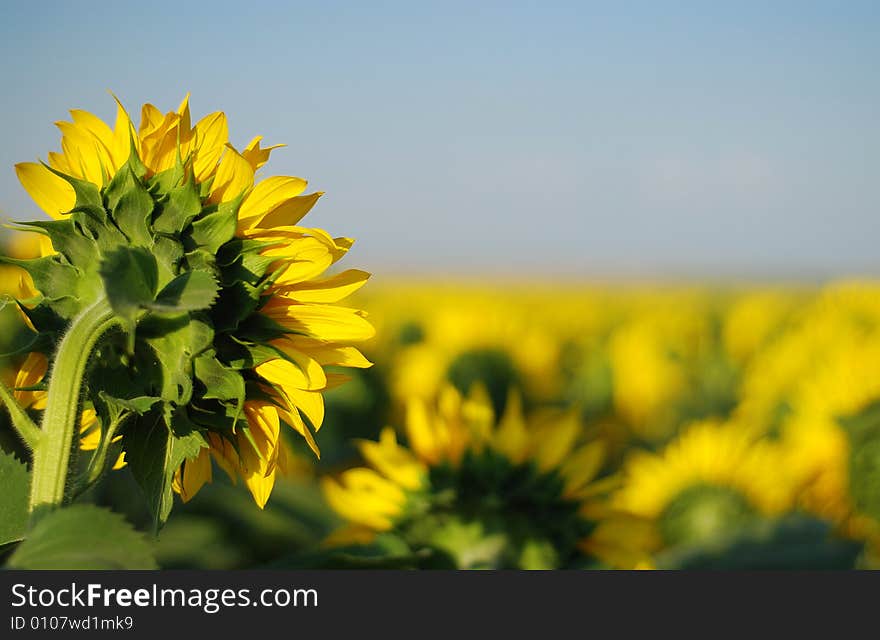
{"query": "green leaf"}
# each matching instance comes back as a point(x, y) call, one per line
point(130, 276)
point(217, 228)
point(241, 355)
point(190, 291)
point(114, 408)
point(15, 482)
point(181, 208)
point(221, 382)
point(790, 543)
point(169, 253)
point(88, 197)
point(154, 451)
point(132, 214)
point(165, 181)
point(83, 537)
point(175, 342)
point(235, 303)
point(77, 248)
point(63, 286)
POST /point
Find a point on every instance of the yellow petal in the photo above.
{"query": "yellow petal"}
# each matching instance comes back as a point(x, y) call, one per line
point(52, 194)
point(123, 136)
point(328, 323)
point(393, 461)
point(195, 473)
point(234, 176)
point(332, 289)
point(287, 213)
point(86, 156)
point(330, 354)
point(211, 136)
point(555, 441)
point(582, 466)
point(258, 156)
point(310, 403)
point(420, 432)
point(101, 132)
point(286, 374)
point(511, 437)
point(32, 371)
point(291, 416)
point(363, 496)
point(310, 368)
point(267, 195)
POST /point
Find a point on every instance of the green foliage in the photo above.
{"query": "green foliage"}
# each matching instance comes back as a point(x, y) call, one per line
point(703, 512)
point(490, 513)
point(83, 537)
point(154, 450)
point(130, 276)
point(15, 482)
point(190, 291)
point(492, 367)
point(790, 543)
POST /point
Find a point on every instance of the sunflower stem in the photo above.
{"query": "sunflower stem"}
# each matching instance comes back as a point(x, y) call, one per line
point(29, 433)
point(61, 418)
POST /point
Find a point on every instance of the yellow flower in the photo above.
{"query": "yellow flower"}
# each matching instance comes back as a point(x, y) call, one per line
point(522, 493)
point(297, 300)
point(706, 482)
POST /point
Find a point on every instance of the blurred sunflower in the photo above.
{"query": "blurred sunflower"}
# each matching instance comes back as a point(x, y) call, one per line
point(435, 335)
point(517, 493)
point(710, 480)
point(192, 200)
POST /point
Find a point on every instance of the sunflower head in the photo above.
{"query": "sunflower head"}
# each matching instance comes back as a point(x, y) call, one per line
point(707, 482)
point(514, 493)
point(227, 319)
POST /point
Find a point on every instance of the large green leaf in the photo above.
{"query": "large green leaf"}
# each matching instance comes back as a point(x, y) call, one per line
point(154, 451)
point(83, 537)
point(14, 488)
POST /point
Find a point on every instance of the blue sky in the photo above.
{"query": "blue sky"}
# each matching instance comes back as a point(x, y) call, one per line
point(639, 139)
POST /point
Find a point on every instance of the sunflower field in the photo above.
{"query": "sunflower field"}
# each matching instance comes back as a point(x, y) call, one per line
point(192, 381)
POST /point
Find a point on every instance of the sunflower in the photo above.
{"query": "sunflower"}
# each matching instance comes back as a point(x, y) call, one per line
point(815, 388)
point(711, 479)
point(517, 493)
point(234, 344)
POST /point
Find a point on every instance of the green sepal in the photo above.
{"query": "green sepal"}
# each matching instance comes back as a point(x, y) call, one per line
point(88, 196)
point(245, 355)
point(132, 207)
point(130, 276)
point(62, 285)
point(235, 303)
point(190, 291)
point(216, 228)
point(175, 341)
point(75, 247)
point(179, 210)
point(221, 382)
point(169, 253)
point(165, 181)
